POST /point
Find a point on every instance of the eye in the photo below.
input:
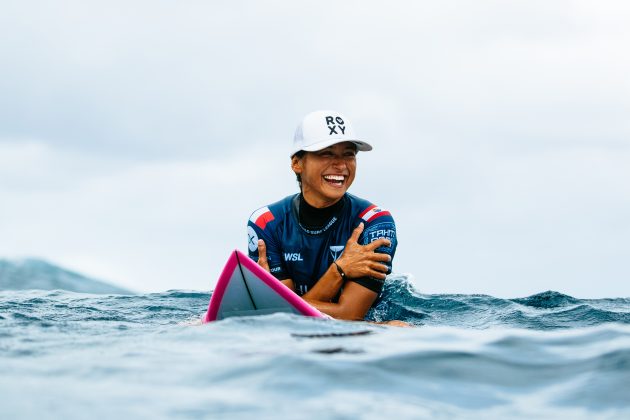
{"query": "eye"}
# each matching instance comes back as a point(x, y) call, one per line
point(326, 153)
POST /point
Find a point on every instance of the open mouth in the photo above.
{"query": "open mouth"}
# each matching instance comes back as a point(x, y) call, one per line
point(334, 180)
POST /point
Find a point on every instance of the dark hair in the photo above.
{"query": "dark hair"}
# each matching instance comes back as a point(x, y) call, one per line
point(300, 154)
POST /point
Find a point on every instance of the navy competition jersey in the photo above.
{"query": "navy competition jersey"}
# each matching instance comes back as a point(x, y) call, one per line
point(303, 254)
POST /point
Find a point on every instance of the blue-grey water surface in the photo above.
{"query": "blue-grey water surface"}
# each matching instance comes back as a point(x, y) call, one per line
point(71, 355)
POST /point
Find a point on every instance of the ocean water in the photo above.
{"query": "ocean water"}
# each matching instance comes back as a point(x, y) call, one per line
point(71, 355)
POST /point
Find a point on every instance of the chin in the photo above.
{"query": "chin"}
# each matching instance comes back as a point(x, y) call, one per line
point(335, 194)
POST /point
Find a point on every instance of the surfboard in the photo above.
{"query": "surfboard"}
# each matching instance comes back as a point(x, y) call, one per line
point(246, 289)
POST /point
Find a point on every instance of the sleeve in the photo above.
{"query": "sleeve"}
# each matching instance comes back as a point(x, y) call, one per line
point(258, 228)
point(379, 223)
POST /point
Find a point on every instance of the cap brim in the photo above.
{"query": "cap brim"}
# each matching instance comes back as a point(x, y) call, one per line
point(361, 145)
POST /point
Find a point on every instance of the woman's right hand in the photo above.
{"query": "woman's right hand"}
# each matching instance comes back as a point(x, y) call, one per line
point(362, 260)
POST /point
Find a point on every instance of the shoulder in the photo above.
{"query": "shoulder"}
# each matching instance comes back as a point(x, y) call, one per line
point(271, 213)
point(378, 223)
point(369, 212)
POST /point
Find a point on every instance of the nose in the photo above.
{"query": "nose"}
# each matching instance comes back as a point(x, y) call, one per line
point(339, 162)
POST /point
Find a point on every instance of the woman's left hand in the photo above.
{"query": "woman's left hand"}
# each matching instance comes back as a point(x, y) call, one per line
point(262, 256)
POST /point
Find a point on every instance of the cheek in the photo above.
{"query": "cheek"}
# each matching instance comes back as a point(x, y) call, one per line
point(353, 169)
point(352, 176)
point(312, 170)
point(309, 174)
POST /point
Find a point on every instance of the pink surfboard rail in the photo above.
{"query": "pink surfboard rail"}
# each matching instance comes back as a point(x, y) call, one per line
point(236, 267)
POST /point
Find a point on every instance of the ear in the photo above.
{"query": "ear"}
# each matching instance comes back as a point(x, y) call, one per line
point(296, 164)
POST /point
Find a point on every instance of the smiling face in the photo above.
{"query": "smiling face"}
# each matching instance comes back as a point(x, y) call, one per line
point(326, 174)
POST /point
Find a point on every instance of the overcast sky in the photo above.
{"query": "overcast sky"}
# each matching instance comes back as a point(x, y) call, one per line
point(136, 137)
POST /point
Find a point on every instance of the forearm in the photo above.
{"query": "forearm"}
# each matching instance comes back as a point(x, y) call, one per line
point(326, 288)
point(354, 303)
point(335, 310)
point(318, 297)
point(338, 311)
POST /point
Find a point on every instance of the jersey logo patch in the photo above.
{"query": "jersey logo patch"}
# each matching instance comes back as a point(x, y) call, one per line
point(381, 230)
point(261, 217)
point(335, 251)
point(373, 212)
point(293, 256)
point(252, 239)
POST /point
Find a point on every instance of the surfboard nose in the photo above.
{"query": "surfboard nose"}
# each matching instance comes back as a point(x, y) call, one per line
point(246, 289)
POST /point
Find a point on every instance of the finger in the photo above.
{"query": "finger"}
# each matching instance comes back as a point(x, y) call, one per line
point(262, 252)
point(377, 275)
point(379, 243)
point(379, 267)
point(396, 323)
point(377, 256)
point(356, 233)
point(262, 255)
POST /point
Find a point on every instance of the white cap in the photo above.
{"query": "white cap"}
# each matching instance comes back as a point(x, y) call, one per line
point(321, 129)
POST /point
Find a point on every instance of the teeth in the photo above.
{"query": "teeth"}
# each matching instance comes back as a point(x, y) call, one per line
point(334, 177)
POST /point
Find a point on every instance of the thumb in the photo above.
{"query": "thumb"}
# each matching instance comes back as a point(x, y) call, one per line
point(262, 250)
point(356, 233)
point(262, 255)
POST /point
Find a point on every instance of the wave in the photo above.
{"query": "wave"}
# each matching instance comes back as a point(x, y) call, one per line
point(399, 300)
point(546, 310)
point(70, 307)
